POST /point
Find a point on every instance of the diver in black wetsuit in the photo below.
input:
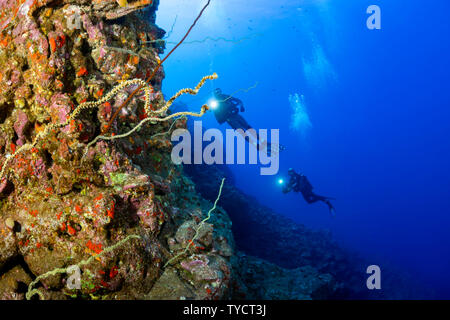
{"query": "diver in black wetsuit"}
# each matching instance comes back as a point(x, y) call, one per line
point(300, 183)
point(228, 109)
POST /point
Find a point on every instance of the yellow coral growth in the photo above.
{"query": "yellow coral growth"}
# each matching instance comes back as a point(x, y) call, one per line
point(122, 3)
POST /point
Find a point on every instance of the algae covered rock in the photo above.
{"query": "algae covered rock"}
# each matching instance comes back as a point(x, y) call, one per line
point(13, 283)
point(259, 279)
point(170, 287)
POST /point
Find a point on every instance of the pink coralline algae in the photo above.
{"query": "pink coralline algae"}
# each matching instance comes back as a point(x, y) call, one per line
point(20, 125)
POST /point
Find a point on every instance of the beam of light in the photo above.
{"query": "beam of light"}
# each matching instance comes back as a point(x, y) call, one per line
point(213, 103)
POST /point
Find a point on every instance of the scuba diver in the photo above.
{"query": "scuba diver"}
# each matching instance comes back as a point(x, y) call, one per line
point(300, 183)
point(226, 109)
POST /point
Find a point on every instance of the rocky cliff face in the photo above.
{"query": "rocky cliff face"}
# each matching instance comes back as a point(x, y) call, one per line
point(118, 210)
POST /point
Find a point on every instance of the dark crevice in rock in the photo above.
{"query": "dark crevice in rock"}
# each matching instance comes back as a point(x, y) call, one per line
point(22, 287)
point(8, 190)
point(16, 261)
point(5, 112)
point(25, 66)
point(86, 49)
point(47, 158)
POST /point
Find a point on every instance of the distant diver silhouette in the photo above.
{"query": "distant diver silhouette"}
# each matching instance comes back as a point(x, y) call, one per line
point(227, 110)
point(298, 182)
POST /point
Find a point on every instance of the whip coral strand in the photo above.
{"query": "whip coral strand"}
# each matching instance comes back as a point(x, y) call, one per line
point(197, 231)
point(108, 126)
point(160, 111)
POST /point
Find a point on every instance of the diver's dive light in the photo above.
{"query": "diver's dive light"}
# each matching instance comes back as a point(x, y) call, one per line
point(280, 181)
point(213, 103)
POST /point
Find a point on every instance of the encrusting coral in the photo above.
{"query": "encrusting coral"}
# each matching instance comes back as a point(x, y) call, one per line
point(31, 292)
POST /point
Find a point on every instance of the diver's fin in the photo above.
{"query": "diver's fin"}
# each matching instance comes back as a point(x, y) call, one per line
point(333, 212)
point(274, 149)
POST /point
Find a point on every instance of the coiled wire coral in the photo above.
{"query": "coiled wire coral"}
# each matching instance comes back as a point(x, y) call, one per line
point(88, 105)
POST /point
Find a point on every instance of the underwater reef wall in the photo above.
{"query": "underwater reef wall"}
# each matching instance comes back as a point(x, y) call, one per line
point(116, 213)
point(274, 252)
